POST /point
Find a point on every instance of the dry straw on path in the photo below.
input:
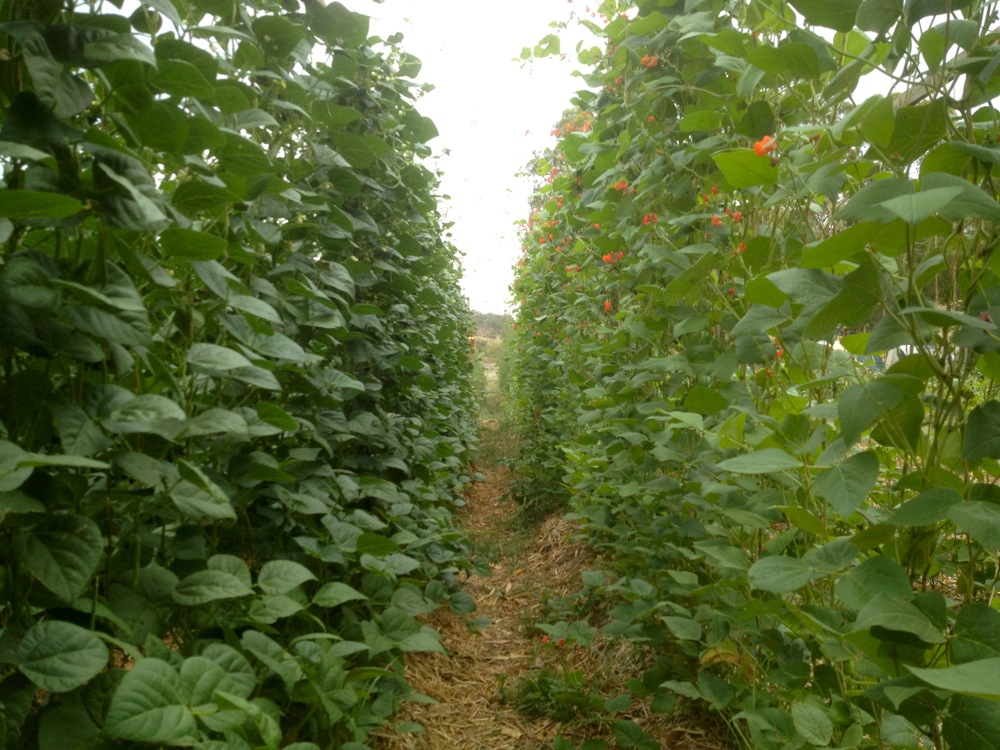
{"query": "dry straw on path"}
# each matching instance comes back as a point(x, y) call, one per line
point(470, 713)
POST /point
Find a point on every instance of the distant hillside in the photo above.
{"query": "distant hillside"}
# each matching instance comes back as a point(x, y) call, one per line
point(490, 325)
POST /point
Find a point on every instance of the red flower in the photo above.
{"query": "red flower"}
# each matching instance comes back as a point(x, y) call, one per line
point(607, 305)
point(620, 255)
point(608, 258)
point(715, 189)
point(716, 221)
point(737, 216)
point(544, 639)
point(765, 145)
point(650, 219)
point(649, 61)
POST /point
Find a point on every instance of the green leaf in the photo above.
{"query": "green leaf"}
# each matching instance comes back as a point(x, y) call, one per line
point(838, 15)
point(879, 15)
point(812, 723)
point(982, 432)
point(336, 593)
point(779, 574)
point(426, 639)
point(929, 507)
point(146, 413)
point(971, 723)
point(916, 207)
point(980, 520)
point(683, 628)
point(876, 576)
point(277, 35)
point(148, 706)
point(893, 614)
point(853, 305)
point(216, 359)
point(201, 676)
point(744, 168)
point(62, 553)
point(208, 586)
point(764, 461)
point(59, 656)
point(188, 244)
point(976, 678)
point(127, 194)
point(36, 204)
point(338, 26)
point(275, 415)
point(976, 634)
point(847, 485)
point(217, 422)
point(282, 576)
point(182, 79)
point(790, 59)
point(841, 246)
point(67, 728)
point(866, 204)
point(273, 656)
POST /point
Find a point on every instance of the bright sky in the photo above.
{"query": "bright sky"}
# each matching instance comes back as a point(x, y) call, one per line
point(492, 113)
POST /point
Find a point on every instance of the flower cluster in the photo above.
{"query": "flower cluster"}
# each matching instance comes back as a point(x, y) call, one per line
point(621, 186)
point(649, 61)
point(650, 219)
point(612, 257)
point(765, 145)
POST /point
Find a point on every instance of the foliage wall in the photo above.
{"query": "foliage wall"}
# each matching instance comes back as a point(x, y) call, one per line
point(234, 376)
point(805, 535)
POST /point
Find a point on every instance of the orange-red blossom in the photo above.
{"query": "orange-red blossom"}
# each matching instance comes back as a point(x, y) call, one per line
point(765, 145)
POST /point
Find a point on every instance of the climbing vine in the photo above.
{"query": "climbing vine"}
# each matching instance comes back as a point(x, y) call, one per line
point(235, 407)
point(758, 357)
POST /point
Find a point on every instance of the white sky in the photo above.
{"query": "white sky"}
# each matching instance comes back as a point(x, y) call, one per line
point(492, 113)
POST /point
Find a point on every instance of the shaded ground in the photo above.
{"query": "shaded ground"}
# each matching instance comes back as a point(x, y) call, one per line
point(484, 673)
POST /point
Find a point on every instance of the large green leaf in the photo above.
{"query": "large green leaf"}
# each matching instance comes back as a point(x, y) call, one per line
point(846, 485)
point(976, 634)
point(971, 723)
point(982, 432)
point(60, 656)
point(838, 15)
point(980, 520)
point(779, 574)
point(187, 244)
point(744, 168)
point(216, 359)
point(764, 461)
point(333, 594)
point(62, 553)
point(887, 613)
point(149, 706)
point(876, 576)
point(36, 204)
point(812, 723)
point(208, 586)
point(282, 576)
point(976, 678)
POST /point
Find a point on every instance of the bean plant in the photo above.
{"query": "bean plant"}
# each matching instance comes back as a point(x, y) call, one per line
point(749, 206)
point(235, 404)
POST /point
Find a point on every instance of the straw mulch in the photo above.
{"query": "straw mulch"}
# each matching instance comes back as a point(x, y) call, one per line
point(481, 666)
